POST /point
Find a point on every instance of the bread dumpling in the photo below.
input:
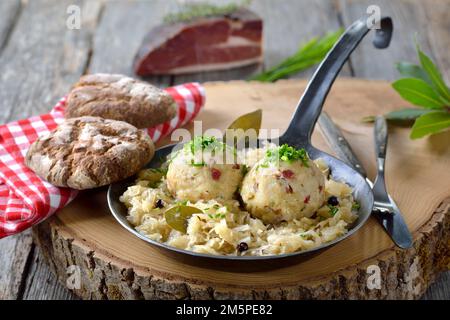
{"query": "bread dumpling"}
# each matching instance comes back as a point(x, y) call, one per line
point(204, 169)
point(284, 185)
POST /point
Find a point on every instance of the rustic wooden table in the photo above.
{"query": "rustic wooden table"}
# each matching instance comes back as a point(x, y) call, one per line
point(40, 58)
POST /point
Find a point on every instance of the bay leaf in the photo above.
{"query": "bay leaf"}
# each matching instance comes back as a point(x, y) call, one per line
point(177, 216)
point(237, 130)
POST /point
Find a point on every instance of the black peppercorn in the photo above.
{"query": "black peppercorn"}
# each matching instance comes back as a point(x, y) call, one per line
point(333, 201)
point(159, 204)
point(242, 247)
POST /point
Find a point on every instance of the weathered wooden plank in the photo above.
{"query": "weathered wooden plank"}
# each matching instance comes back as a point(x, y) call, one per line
point(10, 10)
point(219, 75)
point(291, 23)
point(408, 18)
point(15, 250)
point(14, 262)
point(51, 58)
point(440, 290)
point(42, 284)
point(437, 18)
point(120, 32)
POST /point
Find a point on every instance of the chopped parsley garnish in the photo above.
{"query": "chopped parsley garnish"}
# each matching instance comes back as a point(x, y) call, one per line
point(217, 215)
point(204, 142)
point(199, 164)
point(356, 206)
point(333, 210)
point(286, 153)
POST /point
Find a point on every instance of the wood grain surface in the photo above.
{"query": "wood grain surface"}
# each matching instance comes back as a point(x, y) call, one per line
point(85, 234)
point(51, 59)
point(40, 58)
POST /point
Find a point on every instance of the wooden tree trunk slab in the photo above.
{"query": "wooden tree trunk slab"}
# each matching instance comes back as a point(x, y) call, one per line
point(116, 265)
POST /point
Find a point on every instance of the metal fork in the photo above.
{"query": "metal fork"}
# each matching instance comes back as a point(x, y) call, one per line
point(385, 210)
point(382, 201)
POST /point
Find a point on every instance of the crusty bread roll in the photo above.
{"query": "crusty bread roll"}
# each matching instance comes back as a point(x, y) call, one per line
point(117, 97)
point(88, 152)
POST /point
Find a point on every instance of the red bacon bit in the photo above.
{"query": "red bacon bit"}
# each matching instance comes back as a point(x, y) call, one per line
point(215, 174)
point(307, 198)
point(236, 166)
point(289, 189)
point(288, 174)
point(320, 188)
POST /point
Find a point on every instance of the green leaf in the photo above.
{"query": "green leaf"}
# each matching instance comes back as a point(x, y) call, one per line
point(290, 69)
point(429, 123)
point(251, 120)
point(402, 115)
point(418, 92)
point(406, 114)
point(308, 55)
point(308, 49)
point(177, 216)
point(245, 122)
point(411, 70)
point(434, 74)
point(308, 46)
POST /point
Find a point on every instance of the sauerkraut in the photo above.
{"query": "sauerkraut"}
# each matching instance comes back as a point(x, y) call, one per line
point(224, 227)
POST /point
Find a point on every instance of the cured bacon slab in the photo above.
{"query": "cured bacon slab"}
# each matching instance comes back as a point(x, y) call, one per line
point(205, 44)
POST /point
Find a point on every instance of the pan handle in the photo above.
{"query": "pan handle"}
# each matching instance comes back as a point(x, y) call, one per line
point(310, 104)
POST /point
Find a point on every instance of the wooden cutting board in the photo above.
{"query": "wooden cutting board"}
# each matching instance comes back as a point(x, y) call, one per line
point(115, 264)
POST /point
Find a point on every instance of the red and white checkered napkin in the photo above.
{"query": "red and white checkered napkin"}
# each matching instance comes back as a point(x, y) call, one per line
point(26, 199)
